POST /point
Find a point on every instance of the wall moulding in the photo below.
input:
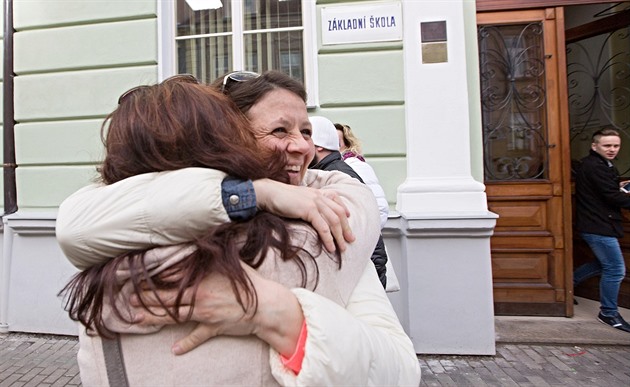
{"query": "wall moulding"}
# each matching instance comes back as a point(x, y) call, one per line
point(31, 223)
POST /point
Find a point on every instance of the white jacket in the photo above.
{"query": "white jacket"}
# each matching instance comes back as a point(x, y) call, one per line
point(369, 177)
point(358, 342)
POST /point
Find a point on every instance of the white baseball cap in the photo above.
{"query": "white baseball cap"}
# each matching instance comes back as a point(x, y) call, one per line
point(324, 133)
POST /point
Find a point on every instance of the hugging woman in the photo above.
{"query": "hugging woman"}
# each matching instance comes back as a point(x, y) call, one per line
point(261, 288)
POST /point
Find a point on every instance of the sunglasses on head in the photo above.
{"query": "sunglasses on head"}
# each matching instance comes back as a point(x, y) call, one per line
point(237, 76)
point(185, 78)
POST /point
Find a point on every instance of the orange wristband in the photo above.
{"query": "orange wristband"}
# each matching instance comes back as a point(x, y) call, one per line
point(294, 363)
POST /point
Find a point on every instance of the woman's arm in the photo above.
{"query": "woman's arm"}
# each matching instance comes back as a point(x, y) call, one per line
point(277, 320)
point(325, 210)
point(364, 323)
point(376, 350)
point(279, 316)
point(100, 222)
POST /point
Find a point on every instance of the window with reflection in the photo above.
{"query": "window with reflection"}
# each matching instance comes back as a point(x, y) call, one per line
point(252, 35)
point(514, 116)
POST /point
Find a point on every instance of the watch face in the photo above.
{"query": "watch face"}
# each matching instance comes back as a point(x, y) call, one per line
point(626, 187)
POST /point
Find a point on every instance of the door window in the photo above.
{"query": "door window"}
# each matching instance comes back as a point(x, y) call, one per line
point(599, 91)
point(514, 116)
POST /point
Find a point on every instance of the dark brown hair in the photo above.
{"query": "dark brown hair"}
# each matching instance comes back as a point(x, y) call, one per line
point(247, 93)
point(176, 125)
point(170, 126)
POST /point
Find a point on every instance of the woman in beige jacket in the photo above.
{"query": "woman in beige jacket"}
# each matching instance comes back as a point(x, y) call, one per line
point(353, 335)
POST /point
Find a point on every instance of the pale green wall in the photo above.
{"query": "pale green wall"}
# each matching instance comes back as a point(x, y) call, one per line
point(362, 85)
point(72, 61)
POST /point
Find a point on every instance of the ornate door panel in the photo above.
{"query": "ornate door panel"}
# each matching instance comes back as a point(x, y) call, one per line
point(521, 64)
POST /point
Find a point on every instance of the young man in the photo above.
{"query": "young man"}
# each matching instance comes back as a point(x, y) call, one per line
point(328, 158)
point(599, 201)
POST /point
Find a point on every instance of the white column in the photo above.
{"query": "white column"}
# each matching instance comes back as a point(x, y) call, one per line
point(445, 223)
point(439, 179)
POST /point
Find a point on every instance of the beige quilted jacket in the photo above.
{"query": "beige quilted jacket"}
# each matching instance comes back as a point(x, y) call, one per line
point(354, 336)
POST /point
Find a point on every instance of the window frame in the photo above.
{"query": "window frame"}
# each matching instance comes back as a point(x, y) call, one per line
point(167, 65)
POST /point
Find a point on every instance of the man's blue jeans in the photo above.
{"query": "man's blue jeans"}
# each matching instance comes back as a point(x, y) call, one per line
point(611, 267)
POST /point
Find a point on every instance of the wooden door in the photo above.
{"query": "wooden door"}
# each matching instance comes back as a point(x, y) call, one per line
point(526, 163)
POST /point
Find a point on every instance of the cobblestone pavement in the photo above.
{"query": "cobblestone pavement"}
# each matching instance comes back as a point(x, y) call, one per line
point(38, 360)
point(45, 360)
point(532, 365)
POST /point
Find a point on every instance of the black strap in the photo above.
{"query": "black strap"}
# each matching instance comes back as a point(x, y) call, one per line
point(114, 362)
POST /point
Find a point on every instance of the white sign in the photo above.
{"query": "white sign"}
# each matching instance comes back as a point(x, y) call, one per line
point(361, 23)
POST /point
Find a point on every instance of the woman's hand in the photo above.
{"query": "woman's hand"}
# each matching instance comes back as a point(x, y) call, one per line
point(324, 210)
point(277, 320)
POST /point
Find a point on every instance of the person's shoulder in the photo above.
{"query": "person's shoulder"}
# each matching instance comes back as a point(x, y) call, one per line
point(364, 169)
point(313, 175)
point(589, 162)
point(352, 160)
point(357, 163)
point(318, 178)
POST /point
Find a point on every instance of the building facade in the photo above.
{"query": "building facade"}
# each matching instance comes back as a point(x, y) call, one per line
point(404, 74)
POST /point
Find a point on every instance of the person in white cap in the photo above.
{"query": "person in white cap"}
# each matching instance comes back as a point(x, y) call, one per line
point(327, 155)
point(328, 158)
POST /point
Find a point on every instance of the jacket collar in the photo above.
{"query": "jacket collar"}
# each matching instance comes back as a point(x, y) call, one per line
point(604, 160)
point(323, 163)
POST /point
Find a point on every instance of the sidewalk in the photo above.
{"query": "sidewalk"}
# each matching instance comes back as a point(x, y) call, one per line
point(531, 351)
point(583, 328)
point(38, 360)
point(542, 351)
point(532, 365)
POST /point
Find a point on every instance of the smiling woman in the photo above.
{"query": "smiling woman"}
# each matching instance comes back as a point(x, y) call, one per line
point(289, 133)
point(307, 301)
point(275, 104)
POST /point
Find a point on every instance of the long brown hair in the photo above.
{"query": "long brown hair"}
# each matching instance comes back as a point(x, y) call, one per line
point(170, 126)
point(176, 125)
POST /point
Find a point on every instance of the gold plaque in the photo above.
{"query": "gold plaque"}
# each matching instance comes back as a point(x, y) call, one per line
point(434, 53)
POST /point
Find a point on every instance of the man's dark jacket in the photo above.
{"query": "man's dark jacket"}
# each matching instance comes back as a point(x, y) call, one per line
point(334, 162)
point(598, 198)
